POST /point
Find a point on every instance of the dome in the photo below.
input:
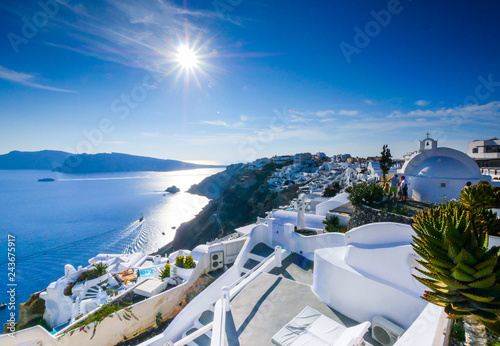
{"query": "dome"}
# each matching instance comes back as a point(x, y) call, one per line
point(442, 167)
point(444, 163)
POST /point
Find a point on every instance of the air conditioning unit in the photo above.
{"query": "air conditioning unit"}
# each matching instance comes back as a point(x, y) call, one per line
point(385, 332)
point(216, 260)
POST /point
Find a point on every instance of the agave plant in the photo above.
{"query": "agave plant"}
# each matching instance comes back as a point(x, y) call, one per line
point(481, 195)
point(463, 275)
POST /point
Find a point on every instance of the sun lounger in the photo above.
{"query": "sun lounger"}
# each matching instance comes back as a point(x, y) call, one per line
point(310, 327)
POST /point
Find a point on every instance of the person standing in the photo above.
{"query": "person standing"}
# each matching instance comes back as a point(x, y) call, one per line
point(467, 185)
point(404, 187)
point(393, 190)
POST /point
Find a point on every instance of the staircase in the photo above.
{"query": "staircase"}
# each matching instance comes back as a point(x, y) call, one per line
point(92, 292)
point(257, 255)
point(205, 318)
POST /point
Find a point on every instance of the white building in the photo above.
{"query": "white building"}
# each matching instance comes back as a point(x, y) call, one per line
point(283, 159)
point(300, 159)
point(485, 152)
point(436, 173)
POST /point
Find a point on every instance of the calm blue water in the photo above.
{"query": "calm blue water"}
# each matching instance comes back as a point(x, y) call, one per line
point(78, 216)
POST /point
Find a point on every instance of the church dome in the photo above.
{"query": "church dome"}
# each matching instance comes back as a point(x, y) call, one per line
point(442, 167)
point(444, 163)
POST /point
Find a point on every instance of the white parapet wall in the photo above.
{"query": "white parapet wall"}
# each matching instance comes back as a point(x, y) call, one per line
point(204, 301)
point(114, 329)
point(371, 275)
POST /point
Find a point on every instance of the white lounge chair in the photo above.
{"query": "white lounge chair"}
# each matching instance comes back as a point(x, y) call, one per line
point(310, 327)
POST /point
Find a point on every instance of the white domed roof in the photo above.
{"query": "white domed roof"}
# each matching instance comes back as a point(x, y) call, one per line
point(442, 167)
point(444, 163)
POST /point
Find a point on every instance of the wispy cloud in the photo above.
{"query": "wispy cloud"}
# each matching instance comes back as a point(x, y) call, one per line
point(348, 112)
point(369, 102)
point(116, 142)
point(27, 80)
point(422, 103)
point(237, 125)
point(215, 122)
point(322, 113)
point(489, 111)
point(150, 134)
point(328, 120)
point(140, 34)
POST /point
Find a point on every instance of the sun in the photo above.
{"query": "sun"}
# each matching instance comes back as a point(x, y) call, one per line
point(186, 57)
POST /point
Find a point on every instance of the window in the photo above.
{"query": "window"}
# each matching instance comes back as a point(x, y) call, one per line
point(474, 150)
point(492, 149)
point(443, 184)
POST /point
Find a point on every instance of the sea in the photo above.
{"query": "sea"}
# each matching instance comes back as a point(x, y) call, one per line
point(45, 225)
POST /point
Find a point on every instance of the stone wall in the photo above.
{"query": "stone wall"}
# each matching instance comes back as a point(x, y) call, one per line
point(363, 215)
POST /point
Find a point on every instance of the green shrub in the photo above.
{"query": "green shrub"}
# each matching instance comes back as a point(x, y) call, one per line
point(395, 209)
point(304, 231)
point(188, 262)
point(179, 261)
point(330, 192)
point(82, 277)
point(99, 269)
point(366, 193)
point(159, 320)
point(165, 273)
point(111, 292)
point(68, 290)
point(38, 307)
point(332, 224)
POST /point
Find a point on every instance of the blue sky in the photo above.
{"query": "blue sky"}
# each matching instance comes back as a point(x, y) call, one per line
point(270, 77)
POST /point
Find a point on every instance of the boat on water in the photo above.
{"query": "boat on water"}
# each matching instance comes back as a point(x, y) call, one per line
point(3, 306)
point(45, 180)
point(141, 218)
point(272, 286)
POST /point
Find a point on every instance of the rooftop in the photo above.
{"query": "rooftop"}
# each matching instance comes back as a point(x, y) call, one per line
point(273, 299)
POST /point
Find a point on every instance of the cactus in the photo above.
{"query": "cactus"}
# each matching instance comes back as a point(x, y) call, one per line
point(481, 195)
point(462, 274)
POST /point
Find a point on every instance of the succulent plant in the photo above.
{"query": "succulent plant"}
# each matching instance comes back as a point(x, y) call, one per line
point(179, 261)
point(481, 195)
point(189, 262)
point(463, 275)
point(165, 272)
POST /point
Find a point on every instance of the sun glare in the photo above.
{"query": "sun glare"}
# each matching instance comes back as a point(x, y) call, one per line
point(186, 57)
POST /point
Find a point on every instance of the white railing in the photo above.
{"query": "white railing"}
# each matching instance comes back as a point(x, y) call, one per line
point(254, 269)
point(194, 335)
point(223, 305)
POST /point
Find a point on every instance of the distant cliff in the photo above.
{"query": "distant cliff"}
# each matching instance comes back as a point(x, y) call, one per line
point(239, 196)
point(84, 163)
point(115, 162)
point(41, 160)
